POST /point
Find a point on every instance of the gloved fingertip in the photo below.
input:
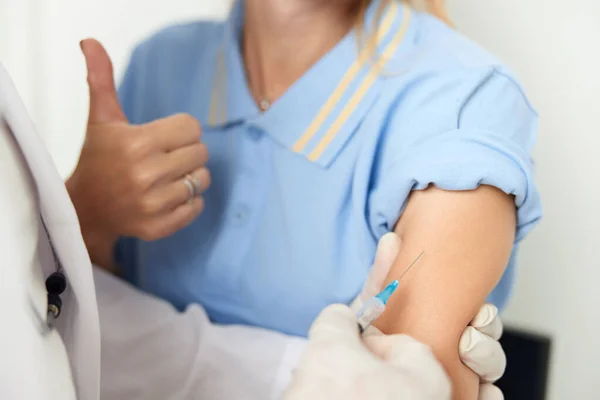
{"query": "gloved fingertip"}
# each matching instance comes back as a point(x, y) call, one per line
point(391, 237)
point(388, 249)
point(487, 391)
point(469, 340)
point(483, 355)
point(389, 244)
point(488, 322)
point(486, 315)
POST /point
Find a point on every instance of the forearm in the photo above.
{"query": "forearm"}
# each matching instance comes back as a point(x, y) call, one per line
point(467, 238)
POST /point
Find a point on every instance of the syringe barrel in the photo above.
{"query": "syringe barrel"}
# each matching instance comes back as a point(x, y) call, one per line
point(369, 312)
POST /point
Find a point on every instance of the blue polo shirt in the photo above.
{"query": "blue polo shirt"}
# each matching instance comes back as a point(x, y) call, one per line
point(302, 192)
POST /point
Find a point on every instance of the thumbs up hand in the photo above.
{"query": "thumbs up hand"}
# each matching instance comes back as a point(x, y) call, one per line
point(141, 181)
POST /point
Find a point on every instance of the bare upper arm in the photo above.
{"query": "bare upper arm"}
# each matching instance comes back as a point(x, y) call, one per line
point(467, 237)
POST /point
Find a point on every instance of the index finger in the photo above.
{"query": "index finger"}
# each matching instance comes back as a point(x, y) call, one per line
point(174, 132)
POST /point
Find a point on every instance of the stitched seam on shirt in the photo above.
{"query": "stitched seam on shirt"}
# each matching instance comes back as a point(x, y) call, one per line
point(491, 74)
point(487, 77)
point(519, 88)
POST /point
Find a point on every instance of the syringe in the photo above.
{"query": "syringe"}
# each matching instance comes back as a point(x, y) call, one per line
point(375, 306)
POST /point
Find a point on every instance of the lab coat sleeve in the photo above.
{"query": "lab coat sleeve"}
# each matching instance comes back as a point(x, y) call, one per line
point(151, 351)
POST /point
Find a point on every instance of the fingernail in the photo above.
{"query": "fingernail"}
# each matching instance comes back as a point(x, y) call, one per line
point(388, 243)
point(81, 45)
point(492, 314)
point(388, 236)
point(485, 316)
point(482, 317)
point(391, 237)
point(470, 339)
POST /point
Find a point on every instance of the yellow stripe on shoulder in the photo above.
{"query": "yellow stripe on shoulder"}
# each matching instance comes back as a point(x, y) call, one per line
point(348, 78)
point(362, 90)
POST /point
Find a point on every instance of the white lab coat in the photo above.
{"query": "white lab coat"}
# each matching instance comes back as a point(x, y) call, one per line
point(33, 365)
point(149, 350)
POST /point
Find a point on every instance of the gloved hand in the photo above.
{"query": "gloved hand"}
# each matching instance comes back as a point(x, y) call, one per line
point(339, 364)
point(479, 348)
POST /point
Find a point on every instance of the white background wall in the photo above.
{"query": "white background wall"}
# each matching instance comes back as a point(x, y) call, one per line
point(47, 65)
point(551, 44)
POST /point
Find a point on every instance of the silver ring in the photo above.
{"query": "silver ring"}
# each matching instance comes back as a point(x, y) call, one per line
point(189, 183)
point(197, 186)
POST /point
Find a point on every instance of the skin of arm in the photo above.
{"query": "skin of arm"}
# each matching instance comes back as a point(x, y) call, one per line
point(468, 238)
point(99, 245)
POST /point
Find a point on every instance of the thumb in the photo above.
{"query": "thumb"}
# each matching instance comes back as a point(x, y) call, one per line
point(336, 324)
point(104, 103)
point(388, 249)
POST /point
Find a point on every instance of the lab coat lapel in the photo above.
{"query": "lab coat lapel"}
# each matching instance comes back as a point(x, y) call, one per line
point(79, 323)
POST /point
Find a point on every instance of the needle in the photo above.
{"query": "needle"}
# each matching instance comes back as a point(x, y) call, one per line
point(411, 265)
point(374, 307)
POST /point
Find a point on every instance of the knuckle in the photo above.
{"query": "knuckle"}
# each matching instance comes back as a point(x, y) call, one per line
point(135, 145)
point(189, 124)
point(149, 205)
point(141, 178)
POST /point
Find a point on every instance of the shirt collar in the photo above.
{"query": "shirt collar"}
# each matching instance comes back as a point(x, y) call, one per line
point(317, 115)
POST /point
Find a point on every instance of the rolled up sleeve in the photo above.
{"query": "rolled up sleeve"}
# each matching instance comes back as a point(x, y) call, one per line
point(489, 144)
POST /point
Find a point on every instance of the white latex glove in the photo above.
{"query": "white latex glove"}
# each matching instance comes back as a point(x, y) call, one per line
point(339, 364)
point(479, 348)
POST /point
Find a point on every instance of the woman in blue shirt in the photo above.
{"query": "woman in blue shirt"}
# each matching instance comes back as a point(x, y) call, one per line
point(325, 125)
